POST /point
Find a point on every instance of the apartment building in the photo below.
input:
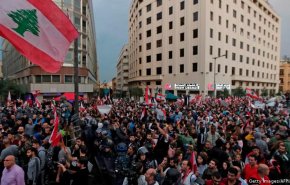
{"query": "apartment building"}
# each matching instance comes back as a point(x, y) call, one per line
point(122, 72)
point(284, 76)
point(192, 46)
point(32, 77)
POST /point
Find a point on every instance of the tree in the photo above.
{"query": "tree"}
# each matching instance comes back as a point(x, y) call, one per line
point(226, 93)
point(239, 91)
point(135, 92)
point(26, 21)
point(15, 90)
point(264, 92)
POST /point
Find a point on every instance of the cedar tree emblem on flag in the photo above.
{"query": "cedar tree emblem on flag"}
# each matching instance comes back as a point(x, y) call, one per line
point(39, 30)
point(26, 20)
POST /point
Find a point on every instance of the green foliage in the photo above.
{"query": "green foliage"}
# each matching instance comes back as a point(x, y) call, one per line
point(15, 90)
point(226, 93)
point(239, 91)
point(135, 92)
point(264, 92)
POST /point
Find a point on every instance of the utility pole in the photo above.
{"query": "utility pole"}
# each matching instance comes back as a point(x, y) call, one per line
point(214, 73)
point(76, 77)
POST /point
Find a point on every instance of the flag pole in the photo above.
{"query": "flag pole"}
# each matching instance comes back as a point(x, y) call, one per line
point(76, 77)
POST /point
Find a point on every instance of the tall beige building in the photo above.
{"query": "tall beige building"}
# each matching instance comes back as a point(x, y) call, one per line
point(20, 70)
point(187, 46)
point(122, 72)
point(284, 76)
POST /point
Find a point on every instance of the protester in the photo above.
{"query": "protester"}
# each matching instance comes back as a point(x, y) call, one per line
point(123, 141)
point(12, 174)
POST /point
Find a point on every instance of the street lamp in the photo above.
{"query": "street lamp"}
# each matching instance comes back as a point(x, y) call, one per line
point(225, 55)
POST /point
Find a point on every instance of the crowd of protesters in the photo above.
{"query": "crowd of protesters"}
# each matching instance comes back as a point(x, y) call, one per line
point(208, 141)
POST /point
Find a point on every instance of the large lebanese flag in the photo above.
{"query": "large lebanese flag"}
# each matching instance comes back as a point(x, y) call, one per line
point(39, 30)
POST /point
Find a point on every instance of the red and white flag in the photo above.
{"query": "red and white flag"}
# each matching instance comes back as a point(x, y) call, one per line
point(192, 160)
point(39, 30)
point(160, 97)
point(38, 104)
point(251, 93)
point(144, 112)
point(55, 135)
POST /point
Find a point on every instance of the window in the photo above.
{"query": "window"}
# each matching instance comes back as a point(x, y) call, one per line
point(233, 70)
point(56, 78)
point(181, 21)
point(195, 33)
point(219, 68)
point(169, 69)
point(195, 2)
point(227, 23)
point(220, 3)
point(38, 79)
point(241, 45)
point(159, 29)
point(234, 42)
point(234, 28)
point(241, 72)
point(148, 71)
point(241, 58)
point(220, 20)
point(247, 72)
point(170, 54)
point(159, 3)
point(181, 37)
point(210, 67)
point(159, 57)
point(140, 72)
point(194, 67)
point(159, 43)
point(181, 52)
point(210, 50)
point(148, 58)
point(170, 40)
point(219, 36)
point(211, 33)
point(227, 39)
point(195, 50)
point(195, 16)
point(159, 70)
point(148, 46)
point(226, 69)
point(233, 56)
point(234, 13)
point(46, 78)
point(170, 10)
point(148, 20)
point(182, 5)
point(148, 8)
point(148, 33)
point(242, 18)
point(181, 68)
point(211, 16)
point(159, 16)
point(68, 79)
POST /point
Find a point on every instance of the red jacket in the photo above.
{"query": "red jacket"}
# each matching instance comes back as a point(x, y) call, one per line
point(257, 179)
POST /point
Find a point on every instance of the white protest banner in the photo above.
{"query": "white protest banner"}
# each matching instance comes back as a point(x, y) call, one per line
point(104, 109)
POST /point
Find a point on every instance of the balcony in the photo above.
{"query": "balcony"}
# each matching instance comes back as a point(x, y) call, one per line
point(57, 88)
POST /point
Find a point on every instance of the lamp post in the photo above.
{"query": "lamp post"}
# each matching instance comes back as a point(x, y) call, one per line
point(225, 55)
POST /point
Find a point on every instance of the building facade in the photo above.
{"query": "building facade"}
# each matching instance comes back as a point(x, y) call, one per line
point(284, 76)
point(32, 77)
point(122, 73)
point(188, 46)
